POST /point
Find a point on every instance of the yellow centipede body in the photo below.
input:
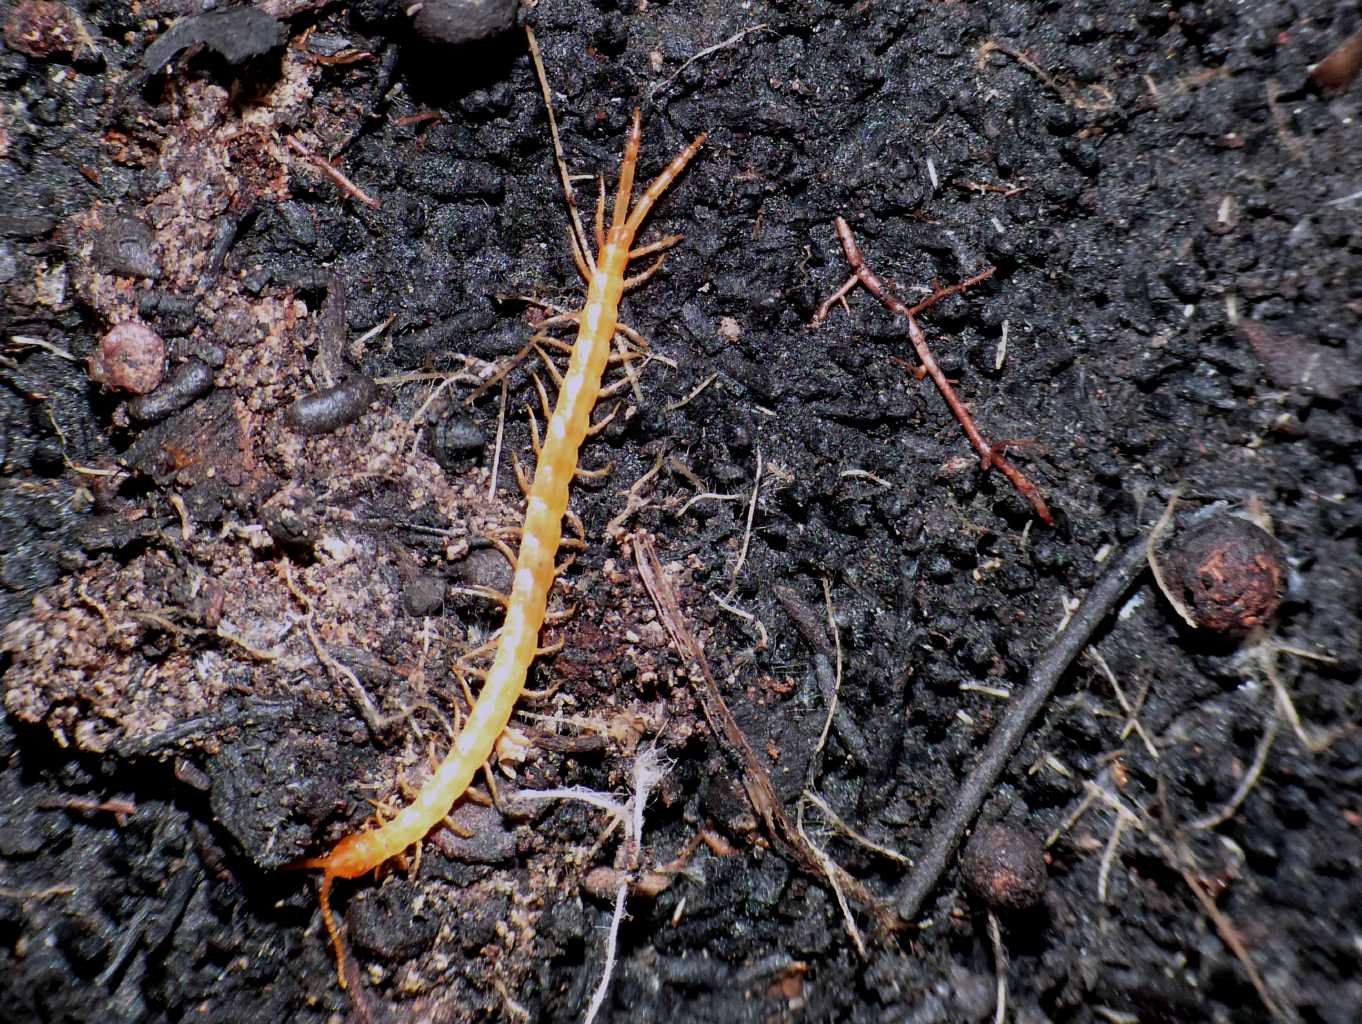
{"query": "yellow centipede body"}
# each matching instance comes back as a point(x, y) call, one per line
point(535, 561)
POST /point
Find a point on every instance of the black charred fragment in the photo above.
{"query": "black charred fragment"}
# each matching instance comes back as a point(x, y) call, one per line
point(189, 382)
point(125, 247)
point(325, 411)
point(228, 229)
point(455, 441)
point(237, 35)
point(175, 315)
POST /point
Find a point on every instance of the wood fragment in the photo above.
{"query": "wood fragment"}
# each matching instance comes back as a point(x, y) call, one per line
point(756, 780)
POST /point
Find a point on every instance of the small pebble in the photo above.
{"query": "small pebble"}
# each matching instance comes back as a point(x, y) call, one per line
point(486, 567)
point(463, 21)
point(456, 439)
point(130, 357)
point(423, 595)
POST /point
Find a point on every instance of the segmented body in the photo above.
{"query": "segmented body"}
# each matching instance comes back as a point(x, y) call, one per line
point(535, 572)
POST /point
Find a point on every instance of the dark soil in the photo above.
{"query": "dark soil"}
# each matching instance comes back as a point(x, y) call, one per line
point(195, 589)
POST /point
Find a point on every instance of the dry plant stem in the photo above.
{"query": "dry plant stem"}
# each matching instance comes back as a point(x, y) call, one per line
point(816, 762)
point(1246, 784)
point(648, 771)
point(580, 243)
point(1178, 858)
point(747, 530)
point(1105, 99)
point(851, 833)
point(378, 725)
point(756, 780)
point(1132, 714)
point(501, 436)
point(535, 570)
point(1156, 566)
point(995, 938)
point(730, 41)
point(992, 458)
point(1045, 675)
point(330, 170)
point(831, 869)
point(121, 810)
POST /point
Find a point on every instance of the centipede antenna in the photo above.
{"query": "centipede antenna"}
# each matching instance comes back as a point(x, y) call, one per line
point(625, 190)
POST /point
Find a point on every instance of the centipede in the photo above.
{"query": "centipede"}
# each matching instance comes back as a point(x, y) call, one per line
point(541, 534)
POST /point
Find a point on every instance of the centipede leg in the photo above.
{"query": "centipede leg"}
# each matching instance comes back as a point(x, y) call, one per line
point(578, 527)
point(661, 245)
point(601, 424)
point(467, 692)
point(549, 365)
point(534, 432)
point(544, 405)
point(521, 479)
point(456, 828)
point(638, 279)
point(491, 785)
point(552, 648)
point(332, 930)
point(624, 191)
point(487, 645)
point(541, 695)
point(593, 474)
point(557, 343)
point(611, 390)
point(633, 335)
point(486, 593)
point(503, 549)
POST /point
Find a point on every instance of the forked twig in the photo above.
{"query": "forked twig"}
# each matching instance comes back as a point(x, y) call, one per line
point(990, 455)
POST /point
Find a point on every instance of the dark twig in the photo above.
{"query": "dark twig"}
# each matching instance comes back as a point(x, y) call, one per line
point(1044, 677)
point(991, 455)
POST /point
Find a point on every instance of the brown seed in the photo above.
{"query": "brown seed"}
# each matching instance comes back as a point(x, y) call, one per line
point(1341, 68)
point(130, 357)
point(1230, 572)
point(1005, 867)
